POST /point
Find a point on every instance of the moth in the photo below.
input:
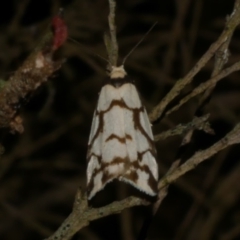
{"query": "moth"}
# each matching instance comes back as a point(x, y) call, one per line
point(121, 144)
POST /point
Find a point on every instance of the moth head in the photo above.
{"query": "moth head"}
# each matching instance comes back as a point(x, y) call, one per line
point(117, 72)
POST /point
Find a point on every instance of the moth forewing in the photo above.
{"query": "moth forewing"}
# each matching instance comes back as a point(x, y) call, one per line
point(121, 141)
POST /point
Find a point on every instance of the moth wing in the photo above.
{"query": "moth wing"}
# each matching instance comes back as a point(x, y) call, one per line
point(107, 152)
point(121, 142)
point(142, 171)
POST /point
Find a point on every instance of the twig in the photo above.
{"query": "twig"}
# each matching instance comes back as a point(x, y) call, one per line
point(111, 43)
point(204, 86)
point(199, 123)
point(231, 138)
point(232, 23)
point(38, 67)
point(82, 214)
point(221, 58)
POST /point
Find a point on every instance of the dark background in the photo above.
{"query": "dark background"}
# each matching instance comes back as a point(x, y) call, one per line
point(42, 168)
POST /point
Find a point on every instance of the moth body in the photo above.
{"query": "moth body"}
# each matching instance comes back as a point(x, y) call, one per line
point(121, 144)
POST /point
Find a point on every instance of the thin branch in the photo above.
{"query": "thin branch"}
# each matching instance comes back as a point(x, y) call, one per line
point(232, 23)
point(199, 123)
point(112, 45)
point(37, 68)
point(82, 214)
point(206, 85)
point(233, 137)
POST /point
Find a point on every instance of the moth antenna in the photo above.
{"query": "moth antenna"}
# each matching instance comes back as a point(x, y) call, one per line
point(150, 29)
point(100, 57)
point(75, 41)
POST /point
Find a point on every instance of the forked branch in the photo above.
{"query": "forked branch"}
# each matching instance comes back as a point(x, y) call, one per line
point(82, 214)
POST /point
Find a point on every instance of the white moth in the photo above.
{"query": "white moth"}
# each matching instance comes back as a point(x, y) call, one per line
point(121, 142)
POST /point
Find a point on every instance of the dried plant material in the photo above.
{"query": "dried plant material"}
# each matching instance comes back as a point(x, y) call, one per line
point(36, 70)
